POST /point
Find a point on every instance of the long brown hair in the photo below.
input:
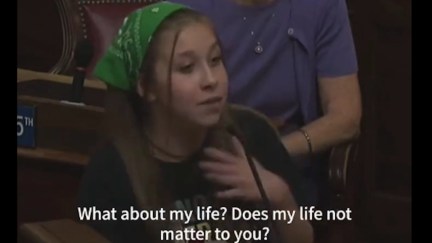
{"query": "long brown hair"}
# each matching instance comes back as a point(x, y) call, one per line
point(127, 113)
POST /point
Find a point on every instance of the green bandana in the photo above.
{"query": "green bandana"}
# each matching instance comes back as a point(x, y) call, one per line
point(122, 62)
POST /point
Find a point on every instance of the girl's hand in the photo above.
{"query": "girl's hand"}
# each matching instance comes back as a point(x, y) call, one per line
point(232, 171)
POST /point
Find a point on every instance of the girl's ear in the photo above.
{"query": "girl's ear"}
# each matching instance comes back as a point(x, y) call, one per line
point(145, 92)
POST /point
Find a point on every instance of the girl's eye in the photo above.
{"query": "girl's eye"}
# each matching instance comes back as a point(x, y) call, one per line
point(216, 60)
point(186, 68)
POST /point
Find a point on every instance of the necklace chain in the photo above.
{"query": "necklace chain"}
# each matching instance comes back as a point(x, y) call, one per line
point(258, 47)
point(162, 150)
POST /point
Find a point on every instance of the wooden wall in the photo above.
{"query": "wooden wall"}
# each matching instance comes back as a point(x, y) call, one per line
point(382, 31)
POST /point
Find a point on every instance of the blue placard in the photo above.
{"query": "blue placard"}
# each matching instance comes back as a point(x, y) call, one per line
point(26, 126)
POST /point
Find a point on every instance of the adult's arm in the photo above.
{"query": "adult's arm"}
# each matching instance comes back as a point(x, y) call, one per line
point(341, 105)
point(336, 67)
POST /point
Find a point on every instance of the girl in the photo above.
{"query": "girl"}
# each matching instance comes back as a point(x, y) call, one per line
point(175, 143)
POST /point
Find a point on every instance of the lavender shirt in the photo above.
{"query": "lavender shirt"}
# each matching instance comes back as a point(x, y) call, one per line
point(301, 40)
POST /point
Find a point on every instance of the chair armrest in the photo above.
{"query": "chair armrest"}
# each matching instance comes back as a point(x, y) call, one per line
point(58, 231)
point(342, 160)
point(341, 166)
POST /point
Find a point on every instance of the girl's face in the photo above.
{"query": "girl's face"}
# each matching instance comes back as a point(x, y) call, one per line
point(198, 76)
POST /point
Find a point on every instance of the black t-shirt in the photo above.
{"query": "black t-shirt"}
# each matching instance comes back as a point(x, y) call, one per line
point(106, 185)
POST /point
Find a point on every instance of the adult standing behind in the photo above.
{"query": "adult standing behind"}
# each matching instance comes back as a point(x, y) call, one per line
point(295, 61)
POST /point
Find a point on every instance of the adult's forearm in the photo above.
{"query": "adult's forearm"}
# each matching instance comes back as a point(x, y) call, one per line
point(323, 133)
